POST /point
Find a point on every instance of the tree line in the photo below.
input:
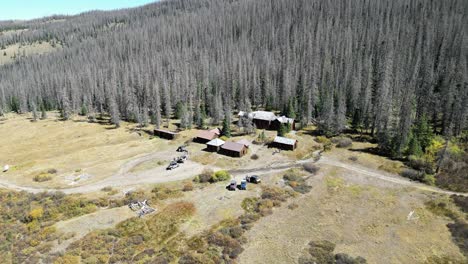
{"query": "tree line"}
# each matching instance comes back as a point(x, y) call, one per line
point(380, 67)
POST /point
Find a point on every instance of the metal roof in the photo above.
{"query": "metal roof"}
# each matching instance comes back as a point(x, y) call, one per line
point(285, 141)
point(216, 142)
point(217, 131)
point(244, 142)
point(233, 146)
point(263, 115)
point(205, 134)
point(285, 120)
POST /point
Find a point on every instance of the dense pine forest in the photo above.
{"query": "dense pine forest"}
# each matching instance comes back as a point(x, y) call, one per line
point(380, 67)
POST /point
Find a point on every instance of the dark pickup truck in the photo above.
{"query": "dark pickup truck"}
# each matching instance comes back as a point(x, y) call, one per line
point(253, 179)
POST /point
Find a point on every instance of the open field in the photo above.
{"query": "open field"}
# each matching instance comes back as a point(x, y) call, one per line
point(8, 54)
point(363, 217)
point(80, 152)
point(77, 153)
point(361, 205)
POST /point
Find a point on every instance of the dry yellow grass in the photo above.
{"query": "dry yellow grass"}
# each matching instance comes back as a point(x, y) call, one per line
point(367, 159)
point(78, 227)
point(74, 148)
point(7, 55)
point(362, 219)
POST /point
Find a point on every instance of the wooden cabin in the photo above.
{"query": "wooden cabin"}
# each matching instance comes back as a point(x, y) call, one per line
point(284, 143)
point(165, 134)
point(233, 149)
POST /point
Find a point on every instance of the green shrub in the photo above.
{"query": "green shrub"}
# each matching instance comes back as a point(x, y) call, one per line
point(310, 167)
point(322, 251)
point(163, 193)
point(107, 189)
point(221, 175)
point(52, 171)
point(205, 176)
point(327, 144)
point(413, 174)
point(274, 193)
point(459, 231)
point(461, 202)
point(342, 258)
point(420, 164)
point(254, 157)
point(42, 177)
point(343, 142)
point(297, 182)
point(291, 175)
point(249, 204)
point(429, 179)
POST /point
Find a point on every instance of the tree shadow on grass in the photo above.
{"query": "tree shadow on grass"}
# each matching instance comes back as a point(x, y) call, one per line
point(140, 131)
point(375, 151)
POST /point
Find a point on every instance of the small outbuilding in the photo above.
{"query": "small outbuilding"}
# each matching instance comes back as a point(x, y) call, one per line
point(233, 149)
point(205, 136)
point(214, 145)
point(165, 134)
point(284, 143)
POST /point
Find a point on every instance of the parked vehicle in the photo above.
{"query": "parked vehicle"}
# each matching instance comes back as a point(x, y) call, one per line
point(243, 185)
point(182, 159)
point(232, 186)
point(182, 148)
point(253, 179)
point(172, 165)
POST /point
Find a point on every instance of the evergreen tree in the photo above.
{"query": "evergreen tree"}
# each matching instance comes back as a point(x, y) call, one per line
point(84, 110)
point(262, 137)
point(226, 131)
point(414, 148)
point(282, 130)
point(181, 110)
point(423, 132)
point(291, 111)
point(43, 113)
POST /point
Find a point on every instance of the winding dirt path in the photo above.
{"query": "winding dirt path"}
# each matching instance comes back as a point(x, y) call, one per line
point(385, 176)
point(187, 170)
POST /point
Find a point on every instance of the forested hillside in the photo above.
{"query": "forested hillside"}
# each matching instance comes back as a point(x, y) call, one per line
point(380, 66)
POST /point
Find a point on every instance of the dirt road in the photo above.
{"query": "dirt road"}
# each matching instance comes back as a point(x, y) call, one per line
point(384, 176)
point(189, 169)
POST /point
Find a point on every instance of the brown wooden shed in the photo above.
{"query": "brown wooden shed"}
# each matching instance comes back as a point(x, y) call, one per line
point(165, 134)
point(233, 149)
point(284, 143)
